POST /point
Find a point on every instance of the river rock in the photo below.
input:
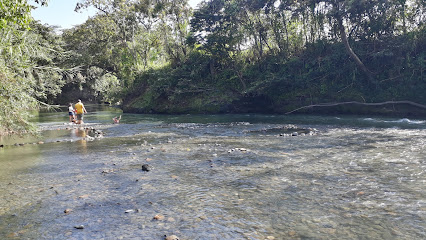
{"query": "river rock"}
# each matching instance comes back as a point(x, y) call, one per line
point(159, 217)
point(146, 167)
point(79, 227)
point(171, 237)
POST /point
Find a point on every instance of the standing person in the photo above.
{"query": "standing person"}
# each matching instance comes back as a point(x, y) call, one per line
point(71, 113)
point(81, 110)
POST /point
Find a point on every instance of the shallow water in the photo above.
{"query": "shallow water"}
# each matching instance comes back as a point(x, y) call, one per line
point(216, 177)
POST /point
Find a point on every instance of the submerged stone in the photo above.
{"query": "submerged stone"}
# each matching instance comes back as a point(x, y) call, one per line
point(146, 167)
point(79, 227)
point(159, 217)
point(171, 237)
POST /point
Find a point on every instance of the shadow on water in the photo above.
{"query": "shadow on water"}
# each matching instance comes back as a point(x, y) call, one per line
point(215, 177)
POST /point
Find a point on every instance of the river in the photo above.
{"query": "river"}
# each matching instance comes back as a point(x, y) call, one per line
point(215, 177)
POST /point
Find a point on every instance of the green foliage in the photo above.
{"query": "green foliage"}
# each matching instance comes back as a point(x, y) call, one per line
point(29, 54)
point(239, 55)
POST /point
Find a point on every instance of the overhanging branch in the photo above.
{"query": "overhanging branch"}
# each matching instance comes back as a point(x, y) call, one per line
point(358, 103)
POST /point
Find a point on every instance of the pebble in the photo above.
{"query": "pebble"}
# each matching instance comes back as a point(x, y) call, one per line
point(146, 168)
point(159, 217)
point(292, 233)
point(171, 237)
point(79, 227)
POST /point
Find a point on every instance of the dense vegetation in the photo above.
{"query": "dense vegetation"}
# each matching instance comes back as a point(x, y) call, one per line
point(227, 56)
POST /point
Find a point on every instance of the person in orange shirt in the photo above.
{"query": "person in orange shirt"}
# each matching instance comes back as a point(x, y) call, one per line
point(81, 110)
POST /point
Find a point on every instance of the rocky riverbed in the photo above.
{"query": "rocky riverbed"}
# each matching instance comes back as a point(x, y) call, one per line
point(220, 180)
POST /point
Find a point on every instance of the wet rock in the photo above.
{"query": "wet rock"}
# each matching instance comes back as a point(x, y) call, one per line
point(68, 210)
point(159, 217)
point(171, 237)
point(79, 227)
point(13, 235)
point(294, 134)
point(146, 167)
point(108, 171)
point(89, 138)
point(292, 233)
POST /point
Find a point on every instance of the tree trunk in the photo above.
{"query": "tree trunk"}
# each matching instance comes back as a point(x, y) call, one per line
point(348, 48)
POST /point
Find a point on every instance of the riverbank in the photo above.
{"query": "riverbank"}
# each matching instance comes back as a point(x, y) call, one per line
point(265, 106)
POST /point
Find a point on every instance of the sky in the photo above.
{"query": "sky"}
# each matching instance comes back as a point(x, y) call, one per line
point(61, 13)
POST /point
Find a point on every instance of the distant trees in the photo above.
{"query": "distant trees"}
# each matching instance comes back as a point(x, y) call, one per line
point(126, 38)
point(29, 72)
point(261, 26)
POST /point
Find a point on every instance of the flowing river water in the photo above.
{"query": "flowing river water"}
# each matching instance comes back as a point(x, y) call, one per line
point(215, 177)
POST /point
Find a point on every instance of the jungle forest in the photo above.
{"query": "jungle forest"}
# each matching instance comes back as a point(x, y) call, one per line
point(225, 56)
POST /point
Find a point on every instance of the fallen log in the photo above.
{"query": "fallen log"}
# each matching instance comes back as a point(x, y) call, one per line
point(358, 103)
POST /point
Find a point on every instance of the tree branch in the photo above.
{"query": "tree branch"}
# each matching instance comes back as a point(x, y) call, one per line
point(358, 103)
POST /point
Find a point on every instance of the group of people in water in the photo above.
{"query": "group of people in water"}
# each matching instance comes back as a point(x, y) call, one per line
point(76, 113)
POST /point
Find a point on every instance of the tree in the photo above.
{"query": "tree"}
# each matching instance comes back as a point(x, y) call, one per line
point(128, 37)
point(28, 71)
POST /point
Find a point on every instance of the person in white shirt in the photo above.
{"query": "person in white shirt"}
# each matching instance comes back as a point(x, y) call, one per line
point(71, 113)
